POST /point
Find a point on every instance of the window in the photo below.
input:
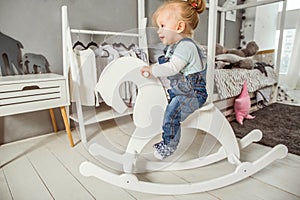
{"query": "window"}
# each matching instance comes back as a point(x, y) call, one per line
point(288, 34)
point(287, 48)
point(291, 5)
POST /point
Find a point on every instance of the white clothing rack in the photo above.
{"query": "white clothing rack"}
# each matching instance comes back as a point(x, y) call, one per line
point(69, 62)
point(103, 33)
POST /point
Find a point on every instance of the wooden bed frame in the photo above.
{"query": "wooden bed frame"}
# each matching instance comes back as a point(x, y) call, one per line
point(226, 106)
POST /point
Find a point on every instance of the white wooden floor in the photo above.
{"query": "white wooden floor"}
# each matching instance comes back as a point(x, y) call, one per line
point(46, 167)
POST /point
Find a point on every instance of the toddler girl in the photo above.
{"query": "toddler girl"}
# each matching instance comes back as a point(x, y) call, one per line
point(183, 64)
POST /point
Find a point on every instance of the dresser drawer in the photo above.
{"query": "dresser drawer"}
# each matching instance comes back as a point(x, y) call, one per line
point(27, 95)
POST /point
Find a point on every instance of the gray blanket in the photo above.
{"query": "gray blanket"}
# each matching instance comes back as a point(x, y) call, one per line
point(229, 82)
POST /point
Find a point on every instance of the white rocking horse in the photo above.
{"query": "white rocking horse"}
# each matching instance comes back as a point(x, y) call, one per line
point(148, 117)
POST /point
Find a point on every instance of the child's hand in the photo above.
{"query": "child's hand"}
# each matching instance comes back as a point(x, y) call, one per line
point(146, 71)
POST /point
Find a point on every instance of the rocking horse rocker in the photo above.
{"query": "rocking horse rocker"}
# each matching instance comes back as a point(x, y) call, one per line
point(148, 117)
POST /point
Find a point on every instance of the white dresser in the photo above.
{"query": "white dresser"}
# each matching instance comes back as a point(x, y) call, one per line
point(33, 92)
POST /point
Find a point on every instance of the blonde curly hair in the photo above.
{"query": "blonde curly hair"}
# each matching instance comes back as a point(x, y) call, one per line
point(187, 11)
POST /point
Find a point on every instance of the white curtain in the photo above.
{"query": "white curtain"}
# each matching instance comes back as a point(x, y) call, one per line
point(293, 75)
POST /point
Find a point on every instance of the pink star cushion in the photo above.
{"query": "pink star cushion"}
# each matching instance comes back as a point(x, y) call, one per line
point(242, 105)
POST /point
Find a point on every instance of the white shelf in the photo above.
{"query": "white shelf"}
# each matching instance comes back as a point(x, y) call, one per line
point(102, 113)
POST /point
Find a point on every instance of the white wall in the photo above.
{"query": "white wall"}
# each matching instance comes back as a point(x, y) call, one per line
point(291, 22)
point(37, 25)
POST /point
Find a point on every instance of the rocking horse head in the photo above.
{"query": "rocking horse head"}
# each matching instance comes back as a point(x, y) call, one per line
point(151, 98)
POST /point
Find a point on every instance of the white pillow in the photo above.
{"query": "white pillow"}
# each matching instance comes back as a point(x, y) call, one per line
point(231, 58)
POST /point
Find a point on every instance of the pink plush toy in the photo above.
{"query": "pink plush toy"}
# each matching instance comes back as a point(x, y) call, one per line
point(242, 105)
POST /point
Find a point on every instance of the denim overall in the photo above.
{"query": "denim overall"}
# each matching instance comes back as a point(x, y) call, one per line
point(187, 94)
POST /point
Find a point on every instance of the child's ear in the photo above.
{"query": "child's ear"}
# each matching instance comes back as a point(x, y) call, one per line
point(180, 26)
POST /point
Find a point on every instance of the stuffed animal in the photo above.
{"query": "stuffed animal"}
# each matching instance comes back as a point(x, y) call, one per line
point(234, 58)
point(220, 49)
point(242, 105)
point(250, 50)
point(234, 61)
point(247, 63)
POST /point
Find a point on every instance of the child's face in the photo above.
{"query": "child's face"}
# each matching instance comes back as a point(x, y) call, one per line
point(167, 28)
